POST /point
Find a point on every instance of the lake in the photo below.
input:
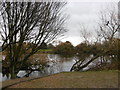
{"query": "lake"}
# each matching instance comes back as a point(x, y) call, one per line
point(55, 64)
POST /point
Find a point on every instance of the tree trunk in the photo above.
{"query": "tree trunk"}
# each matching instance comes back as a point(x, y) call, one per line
point(79, 67)
point(13, 73)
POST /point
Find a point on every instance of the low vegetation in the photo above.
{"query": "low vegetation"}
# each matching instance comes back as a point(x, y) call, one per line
point(49, 51)
point(65, 49)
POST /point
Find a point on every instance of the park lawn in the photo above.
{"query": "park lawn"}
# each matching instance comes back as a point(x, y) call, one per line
point(89, 79)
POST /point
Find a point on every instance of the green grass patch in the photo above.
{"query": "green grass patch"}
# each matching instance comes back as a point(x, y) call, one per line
point(45, 51)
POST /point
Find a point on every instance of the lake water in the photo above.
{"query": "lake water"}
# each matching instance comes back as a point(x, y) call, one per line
point(56, 64)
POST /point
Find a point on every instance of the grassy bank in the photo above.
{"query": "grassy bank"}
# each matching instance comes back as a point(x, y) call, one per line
point(45, 51)
point(89, 79)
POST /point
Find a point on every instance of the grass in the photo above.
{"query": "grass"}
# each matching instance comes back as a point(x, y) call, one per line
point(89, 79)
point(45, 51)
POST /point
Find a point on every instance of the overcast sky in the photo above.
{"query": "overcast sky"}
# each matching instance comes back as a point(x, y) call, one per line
point(82, 12)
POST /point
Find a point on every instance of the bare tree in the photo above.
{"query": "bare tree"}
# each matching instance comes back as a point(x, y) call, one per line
point(84, 33)
point(25, 26)
point(108, 33)
point(108, 24)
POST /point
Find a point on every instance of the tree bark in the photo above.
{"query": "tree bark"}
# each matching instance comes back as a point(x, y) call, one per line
point(13, 73)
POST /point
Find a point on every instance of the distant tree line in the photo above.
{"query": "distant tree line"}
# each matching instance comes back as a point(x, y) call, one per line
point(106, 51)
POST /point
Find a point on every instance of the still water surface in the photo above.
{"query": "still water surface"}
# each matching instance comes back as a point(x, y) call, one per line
point(56, 64)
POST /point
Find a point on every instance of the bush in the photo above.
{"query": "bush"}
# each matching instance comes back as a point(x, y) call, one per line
point(66, 49)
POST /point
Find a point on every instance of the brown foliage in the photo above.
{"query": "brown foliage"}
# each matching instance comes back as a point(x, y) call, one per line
point(66, 49)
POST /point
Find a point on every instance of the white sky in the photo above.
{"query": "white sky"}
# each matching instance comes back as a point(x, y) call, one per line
point(93, 0)
point(82, 12)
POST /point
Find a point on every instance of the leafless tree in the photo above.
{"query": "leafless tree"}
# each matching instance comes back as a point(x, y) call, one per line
point(108, 24)
point(109, 27)
point(25, 26)
point(84, 33)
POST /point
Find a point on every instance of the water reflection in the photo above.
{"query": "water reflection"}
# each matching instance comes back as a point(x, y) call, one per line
point(55, 64)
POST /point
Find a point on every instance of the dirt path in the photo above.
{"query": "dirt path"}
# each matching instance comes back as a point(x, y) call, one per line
point(99, 79)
